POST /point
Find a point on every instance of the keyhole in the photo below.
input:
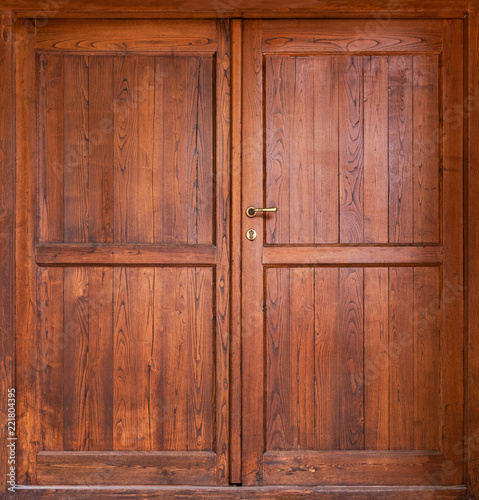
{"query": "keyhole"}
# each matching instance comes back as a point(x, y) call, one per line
point(251, 234)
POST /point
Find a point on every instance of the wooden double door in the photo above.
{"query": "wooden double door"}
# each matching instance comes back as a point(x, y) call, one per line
point(129, 212)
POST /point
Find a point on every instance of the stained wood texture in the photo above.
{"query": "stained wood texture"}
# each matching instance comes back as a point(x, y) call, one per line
point(26, 345)
point(113, 36)
point(125, 469)
point(374, 9)
point(318, 468)
point(352, 359)
point(127, 363)
point(126, 148)
point(7, 354)
point(341, 165)
point(472, 263)
point(260, 492)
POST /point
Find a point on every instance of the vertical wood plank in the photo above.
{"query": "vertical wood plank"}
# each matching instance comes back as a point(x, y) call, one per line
point(223, 204)
point(160, 79)
point(75, 356)
point(26, 349)
point(351, 359)
point(400, 150)
point(50, 366)
point(125, 423)
point(326, 150)
point(50, 203)
point(376, 358)
point(326, 356)
point(376, 149)
point(7, 353)
point(452, 294)
point(100, 149)
point(253, 301)
point(200, 373)
point(172, 320)
point(427, 390)
point(278, 425)
point(301, 216)
point(472, 265)
point(236, 237)
point(204, 141)
point(145, 96)
point(126, 222)
point(426, 149)
point(301, 332)
point(76, 145)
point(401, 359)
point(350, 73)
point(133, 332)
point(100, 359)
point(174, 209)
point(279, 111)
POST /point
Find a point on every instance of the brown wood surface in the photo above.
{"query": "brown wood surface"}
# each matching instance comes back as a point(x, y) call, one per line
point(351, 332)
point(319, 468)
point(243, 493)
point(125, 296)
point(126, 469)
point(236, 240)
point(247, 8)
point(472, 250)
point(7, 354)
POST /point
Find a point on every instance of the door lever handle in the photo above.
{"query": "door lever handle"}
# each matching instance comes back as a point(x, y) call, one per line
point(252, 211)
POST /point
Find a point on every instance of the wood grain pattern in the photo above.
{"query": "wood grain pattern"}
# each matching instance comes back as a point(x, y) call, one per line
point(427, 390)
point(376, 359)
point(51, 147)
point(75, 357)
point(400, 150)
point(121, 254)
point(472, 249)
point(306, 36)
point(352, 255)
point(7, 349)
point(351, 358)
point(260, 492)
point(351, 168)
point(426, 149)
point(375, 150)
point(76, 145)
point(123, 469)
point(327, 467)
point(327, 361)
point(223, 234)
point(236, 239)
point(452, 294)
point(372, 9)
point(253, 301)
point(122, 36)
point(326, 150)
point(100, 150)
point(279, 112)
point(51, 340)
point(26, 356)
point(401, 359)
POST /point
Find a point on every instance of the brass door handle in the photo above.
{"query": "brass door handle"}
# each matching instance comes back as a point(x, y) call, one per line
point(252, 211)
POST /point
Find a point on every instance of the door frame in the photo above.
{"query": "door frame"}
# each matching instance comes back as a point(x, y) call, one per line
point(377, 11)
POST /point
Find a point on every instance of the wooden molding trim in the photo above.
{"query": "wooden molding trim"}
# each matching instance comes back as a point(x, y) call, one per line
point(6, 233)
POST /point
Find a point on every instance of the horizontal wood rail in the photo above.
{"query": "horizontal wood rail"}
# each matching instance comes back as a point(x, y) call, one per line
point(59, 254)
point(261, 492)
point(126, 468)
point(352, 467)
point(351, 255)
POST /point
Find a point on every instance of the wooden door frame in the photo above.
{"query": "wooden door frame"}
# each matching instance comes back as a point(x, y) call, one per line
point(377, 11)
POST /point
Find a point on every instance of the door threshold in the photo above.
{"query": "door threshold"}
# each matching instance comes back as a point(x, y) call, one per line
point(244, 492)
